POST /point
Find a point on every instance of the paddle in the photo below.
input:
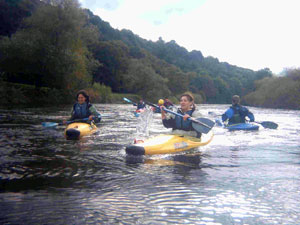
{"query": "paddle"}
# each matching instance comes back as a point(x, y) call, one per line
point(53, 124)
point(129, 101)
point(202, 125)
point(265, 124)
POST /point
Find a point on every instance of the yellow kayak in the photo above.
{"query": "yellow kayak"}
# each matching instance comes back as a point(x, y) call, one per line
point(168, 143)
point(75, 131)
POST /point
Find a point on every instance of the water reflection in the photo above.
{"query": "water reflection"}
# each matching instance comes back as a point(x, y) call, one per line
point(239, 178)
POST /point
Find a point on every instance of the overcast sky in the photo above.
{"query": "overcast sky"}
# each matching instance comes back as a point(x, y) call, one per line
point(254, 34)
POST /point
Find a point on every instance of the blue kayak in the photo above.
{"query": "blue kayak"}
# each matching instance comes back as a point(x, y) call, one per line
point(242, 126)
point(238, 126)
point(138, 112)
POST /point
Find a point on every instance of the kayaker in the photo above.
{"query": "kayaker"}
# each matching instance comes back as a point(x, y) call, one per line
point(166, 103)
point(84, 109)
point(237, 113)
point(141, 105)
point(179, 124)
point(157, 109)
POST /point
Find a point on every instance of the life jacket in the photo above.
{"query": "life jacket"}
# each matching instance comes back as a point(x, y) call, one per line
point(181, 124)
point(81, 111)
point(168, 103)
point(239, 114)
point(157, 110)
point(140, 105)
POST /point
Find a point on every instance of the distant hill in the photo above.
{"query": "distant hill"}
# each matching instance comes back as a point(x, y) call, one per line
point(91, 51)
point(236, 80)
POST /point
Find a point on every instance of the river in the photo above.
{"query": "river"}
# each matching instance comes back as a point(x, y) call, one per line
point(241, 177)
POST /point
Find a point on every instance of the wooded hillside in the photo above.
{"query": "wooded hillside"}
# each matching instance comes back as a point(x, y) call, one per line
point(59, 45)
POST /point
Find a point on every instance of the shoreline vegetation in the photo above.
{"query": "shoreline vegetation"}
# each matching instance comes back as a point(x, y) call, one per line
point(52, 49)
point(24, 95)
point(16, 95)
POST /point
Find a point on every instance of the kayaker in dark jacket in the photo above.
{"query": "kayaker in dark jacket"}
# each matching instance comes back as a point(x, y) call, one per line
point(181, 124)
point(141, 105)
point(166, 103)
point(84, 109)
point(237, 113)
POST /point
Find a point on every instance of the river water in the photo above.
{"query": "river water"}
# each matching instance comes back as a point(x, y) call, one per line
point(241, 177)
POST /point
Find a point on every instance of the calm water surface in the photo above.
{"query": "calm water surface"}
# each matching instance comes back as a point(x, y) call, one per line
point(239, 178)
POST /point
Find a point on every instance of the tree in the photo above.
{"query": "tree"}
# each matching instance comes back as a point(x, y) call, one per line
point(277, 92)
point(177, 80)
point(204, 84)
point(263, 73)
point(223, 93)
point(50, 50)
point(114, 57)
point(143, 80)
point(12, 12)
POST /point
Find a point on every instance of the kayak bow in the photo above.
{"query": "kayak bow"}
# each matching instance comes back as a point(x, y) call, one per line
point(167, 144)
point(75, 131)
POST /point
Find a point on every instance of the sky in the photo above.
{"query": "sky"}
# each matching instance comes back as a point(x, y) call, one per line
point(253, 34)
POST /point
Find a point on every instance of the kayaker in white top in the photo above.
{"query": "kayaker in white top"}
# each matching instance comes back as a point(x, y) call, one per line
point(181, 125)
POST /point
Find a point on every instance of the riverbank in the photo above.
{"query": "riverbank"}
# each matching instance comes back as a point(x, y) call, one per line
point(23, 95)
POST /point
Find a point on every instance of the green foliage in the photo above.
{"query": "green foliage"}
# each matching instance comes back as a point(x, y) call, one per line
point(118, 97)
point(205, 84)
point(65, 48)
point(50, 50)
point(21, 95)
point(142, 79)
point(263, 73)
point(223, 93)
point(113, 56)
point(166, 55)
point(100, 93)
point(277, 92)
point(198, 99)
point(175, 76)
point(12, 95)
point(12, 12)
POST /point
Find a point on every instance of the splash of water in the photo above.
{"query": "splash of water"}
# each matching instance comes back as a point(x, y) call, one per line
point(144, 122)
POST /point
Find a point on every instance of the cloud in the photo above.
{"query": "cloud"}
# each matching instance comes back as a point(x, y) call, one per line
point(157, 22)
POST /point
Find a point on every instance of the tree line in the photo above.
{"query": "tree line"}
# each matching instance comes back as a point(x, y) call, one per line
point(56, 44)
point(277, 92)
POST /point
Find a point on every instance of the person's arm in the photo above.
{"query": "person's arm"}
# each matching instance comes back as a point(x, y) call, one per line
point(227, 115)
point(96, 116)
point(168, 121)
point(251, 116)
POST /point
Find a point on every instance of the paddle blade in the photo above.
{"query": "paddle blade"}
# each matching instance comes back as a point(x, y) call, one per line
point(127, 100)
point(203, 125)
point(49, 124)
point(219, 122)
point(269, 124)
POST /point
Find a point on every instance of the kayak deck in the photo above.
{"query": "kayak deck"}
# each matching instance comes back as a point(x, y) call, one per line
point(75, 131)
point(242, 126)
point(168, 143)
point(238, 126)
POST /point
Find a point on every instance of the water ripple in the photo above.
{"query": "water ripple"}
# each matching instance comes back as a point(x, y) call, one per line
point(239, 178)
